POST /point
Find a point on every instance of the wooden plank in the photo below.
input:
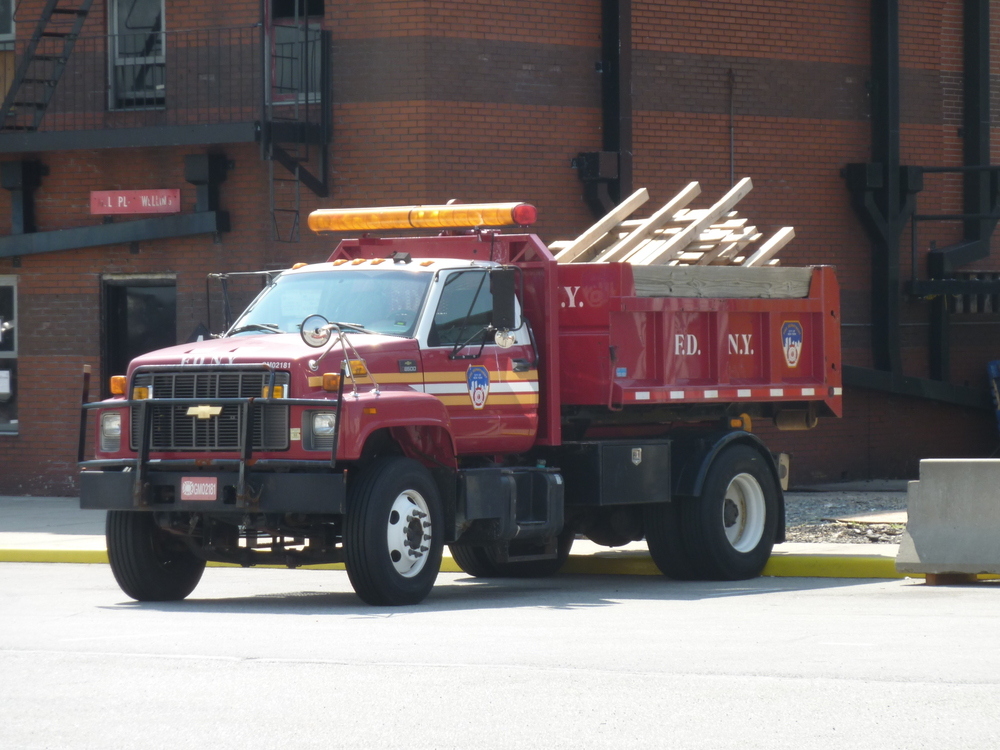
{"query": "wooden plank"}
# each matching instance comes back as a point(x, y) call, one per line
point(722, 281)
point(625, 246)
point(677, 244)
point(781, 238)
point(585, 241)
point(736, 242)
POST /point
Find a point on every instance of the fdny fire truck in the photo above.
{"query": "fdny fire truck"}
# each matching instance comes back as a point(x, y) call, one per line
point(467, 390)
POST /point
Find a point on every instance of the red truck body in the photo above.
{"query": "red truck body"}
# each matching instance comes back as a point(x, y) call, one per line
point(614, 408)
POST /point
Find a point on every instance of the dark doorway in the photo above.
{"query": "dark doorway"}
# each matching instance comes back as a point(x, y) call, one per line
point(140, 315)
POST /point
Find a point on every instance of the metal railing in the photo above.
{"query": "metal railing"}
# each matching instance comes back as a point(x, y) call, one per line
point(193, 77)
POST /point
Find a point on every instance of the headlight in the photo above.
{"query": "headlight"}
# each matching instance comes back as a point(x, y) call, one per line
point(111, 432)
point(111, 424)
point(318, 428)
point(324, 423)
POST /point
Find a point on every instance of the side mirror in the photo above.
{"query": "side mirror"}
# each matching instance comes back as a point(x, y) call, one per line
point(502, 285)
point(315, 331)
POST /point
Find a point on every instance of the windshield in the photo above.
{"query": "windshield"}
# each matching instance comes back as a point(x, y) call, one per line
point(382, 301)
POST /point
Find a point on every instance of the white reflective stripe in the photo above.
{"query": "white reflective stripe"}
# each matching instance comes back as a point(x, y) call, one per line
point(441, 389)
point(516, 386)
point(676, 394)
point(777, 391)
point(711, 394)
point(808, 391)
point(838, 391)
point(642, 396)
point(743, 393)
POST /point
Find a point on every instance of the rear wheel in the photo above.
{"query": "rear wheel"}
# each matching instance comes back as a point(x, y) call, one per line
point(393, 532)
point(728, 533)
point(665, 540)
point(484, 561)
point(149, 564)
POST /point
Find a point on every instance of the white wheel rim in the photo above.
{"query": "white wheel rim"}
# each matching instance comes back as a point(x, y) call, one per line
point(744, 512)
point(408, 533)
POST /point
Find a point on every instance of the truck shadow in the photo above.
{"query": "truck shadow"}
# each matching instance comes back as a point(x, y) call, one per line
point(455, 592)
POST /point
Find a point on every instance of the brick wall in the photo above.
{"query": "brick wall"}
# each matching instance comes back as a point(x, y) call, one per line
point(488, 101)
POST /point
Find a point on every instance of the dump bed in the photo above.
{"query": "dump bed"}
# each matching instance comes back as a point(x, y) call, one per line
point(642, 335)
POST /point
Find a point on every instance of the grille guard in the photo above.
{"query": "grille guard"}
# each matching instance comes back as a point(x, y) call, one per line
point(245, 496)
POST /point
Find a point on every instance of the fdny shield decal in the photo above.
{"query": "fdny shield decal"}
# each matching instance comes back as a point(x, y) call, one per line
point(477, 378)
point(791, 342)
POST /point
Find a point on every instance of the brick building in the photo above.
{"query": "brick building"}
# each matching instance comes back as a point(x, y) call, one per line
point(252, 113)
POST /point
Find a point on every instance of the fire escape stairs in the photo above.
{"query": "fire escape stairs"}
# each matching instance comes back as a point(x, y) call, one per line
point(296, 131)
point(42, 65)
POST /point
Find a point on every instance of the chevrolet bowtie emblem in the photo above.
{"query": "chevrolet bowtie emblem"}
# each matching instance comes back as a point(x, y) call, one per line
point(204, 411)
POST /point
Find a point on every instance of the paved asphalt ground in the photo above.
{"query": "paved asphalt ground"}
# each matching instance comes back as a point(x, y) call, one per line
point(48, 529)
point(292, 659)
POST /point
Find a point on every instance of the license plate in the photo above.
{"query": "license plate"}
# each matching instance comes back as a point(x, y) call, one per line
point(199, 488)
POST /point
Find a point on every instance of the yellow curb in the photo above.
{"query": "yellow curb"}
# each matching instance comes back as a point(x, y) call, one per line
point(833, 566)
point(625, 562)
point(53, 556)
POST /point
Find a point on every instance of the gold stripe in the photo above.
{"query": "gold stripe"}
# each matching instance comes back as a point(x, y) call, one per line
point(316, 381)
point(523, 399)
point(514, 398)
point(398, 377)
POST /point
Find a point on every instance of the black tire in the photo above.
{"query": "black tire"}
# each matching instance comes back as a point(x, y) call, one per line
point(149, 564)
point(394, 497)
point(474, 560)
point(662, 524)
point(729, 532)
point(483, 562)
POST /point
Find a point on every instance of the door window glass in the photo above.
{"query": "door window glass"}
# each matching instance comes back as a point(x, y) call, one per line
point(464, 310)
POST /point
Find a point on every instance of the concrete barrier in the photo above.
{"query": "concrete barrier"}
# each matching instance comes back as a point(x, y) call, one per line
point(953, 520)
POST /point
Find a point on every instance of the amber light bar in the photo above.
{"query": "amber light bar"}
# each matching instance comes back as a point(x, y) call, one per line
point(423, 217)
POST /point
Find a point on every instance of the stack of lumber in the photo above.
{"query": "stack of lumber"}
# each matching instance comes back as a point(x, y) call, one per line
point(675, 234)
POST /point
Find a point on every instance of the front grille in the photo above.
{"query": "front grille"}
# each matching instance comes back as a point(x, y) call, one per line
point(173, 430)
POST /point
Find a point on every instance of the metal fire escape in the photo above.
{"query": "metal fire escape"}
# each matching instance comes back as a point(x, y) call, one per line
point(42, 65)
point(296, 127)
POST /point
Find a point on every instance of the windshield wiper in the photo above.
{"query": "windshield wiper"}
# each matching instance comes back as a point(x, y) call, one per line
point(264, 327)
point(354, 327)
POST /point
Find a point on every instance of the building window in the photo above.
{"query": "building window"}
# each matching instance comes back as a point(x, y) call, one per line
point(295, 38)
point(137, 50)
point(6, 24)
point(7, 61)
point(8, 354)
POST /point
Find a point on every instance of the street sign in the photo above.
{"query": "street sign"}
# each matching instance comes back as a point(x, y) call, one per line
point(135, 201)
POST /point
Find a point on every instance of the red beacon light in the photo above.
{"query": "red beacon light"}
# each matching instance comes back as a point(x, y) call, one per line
point(452, 216)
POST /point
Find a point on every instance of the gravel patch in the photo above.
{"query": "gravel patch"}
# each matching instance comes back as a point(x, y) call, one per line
point(812, 517)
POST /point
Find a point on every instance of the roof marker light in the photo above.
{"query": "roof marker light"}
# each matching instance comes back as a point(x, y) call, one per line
point(456, 216)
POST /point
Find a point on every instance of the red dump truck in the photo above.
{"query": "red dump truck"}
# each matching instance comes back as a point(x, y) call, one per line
point(468, 390)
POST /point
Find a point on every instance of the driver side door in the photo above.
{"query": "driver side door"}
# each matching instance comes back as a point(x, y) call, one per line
point(491, 393)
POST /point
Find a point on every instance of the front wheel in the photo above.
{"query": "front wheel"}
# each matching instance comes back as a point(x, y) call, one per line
point(393, 532)
point(149, 564)
point(728, 532)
